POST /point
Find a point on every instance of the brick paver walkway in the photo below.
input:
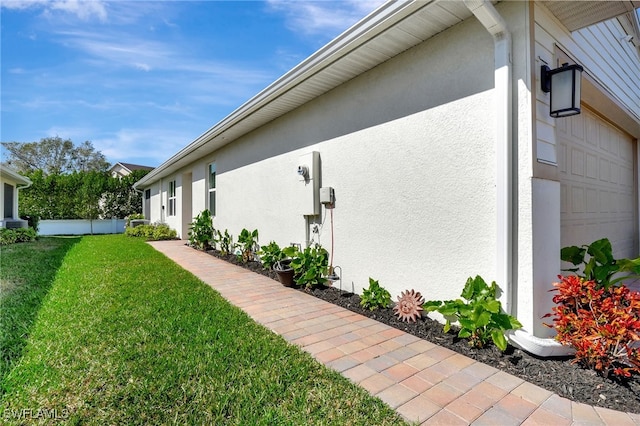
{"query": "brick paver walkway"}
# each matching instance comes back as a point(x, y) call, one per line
point(424, 382)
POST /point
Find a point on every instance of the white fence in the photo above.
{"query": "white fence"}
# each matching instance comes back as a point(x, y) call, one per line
point(81, 227)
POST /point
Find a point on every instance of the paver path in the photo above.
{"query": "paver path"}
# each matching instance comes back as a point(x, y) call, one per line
point(424, 382)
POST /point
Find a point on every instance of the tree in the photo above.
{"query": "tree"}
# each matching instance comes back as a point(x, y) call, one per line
point(88, 198)
point(81, 195)
point(54, 155)
point(120, 199)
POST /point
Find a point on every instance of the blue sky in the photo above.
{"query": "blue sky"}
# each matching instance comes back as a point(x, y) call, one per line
point(143, 79)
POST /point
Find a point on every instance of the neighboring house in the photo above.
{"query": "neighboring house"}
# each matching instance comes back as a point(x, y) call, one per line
point(10, 183)
point(125, 169)
point(121, 170)
point(429, 122)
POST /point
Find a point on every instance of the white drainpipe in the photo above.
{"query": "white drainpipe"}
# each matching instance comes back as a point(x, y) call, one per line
point(24, 186)
point(493, 22)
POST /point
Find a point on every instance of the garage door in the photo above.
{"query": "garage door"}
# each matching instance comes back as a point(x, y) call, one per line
point(598, 189)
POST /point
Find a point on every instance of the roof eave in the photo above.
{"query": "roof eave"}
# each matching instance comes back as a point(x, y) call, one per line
point(15, 176)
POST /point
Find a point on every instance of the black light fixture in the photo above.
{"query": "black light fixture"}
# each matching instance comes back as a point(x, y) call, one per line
point(564, 85)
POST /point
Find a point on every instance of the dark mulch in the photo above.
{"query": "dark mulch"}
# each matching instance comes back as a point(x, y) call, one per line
point(557, 375)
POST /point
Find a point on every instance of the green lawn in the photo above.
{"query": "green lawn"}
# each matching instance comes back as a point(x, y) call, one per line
point(119, 334)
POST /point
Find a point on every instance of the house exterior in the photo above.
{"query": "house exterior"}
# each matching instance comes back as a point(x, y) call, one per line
point(10, 183)
point(428, 121)
point(121, 170)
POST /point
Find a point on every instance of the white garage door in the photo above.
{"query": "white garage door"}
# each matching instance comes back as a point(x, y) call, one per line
point(597, 177)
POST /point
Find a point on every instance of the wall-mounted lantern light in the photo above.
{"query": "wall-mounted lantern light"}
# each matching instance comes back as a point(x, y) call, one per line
point(564, 85)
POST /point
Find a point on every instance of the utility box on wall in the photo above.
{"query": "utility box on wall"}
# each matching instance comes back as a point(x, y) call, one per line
point(308, 170)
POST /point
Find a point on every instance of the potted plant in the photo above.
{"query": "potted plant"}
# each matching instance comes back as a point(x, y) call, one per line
point(284, 271)
point(270, 254)
point(310, 266)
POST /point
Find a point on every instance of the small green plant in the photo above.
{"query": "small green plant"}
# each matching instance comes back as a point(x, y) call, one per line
point(480, 317)
point(375, 296)
point(248, 242)
point(310, 265)
point(600, 265)
point(17, 235)
point(155, 232)
point(226, 242)
point(270, 254)
point(201, 232)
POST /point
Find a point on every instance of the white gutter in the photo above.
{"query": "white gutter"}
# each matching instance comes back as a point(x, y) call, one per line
point(24, 186)
point(493, 22)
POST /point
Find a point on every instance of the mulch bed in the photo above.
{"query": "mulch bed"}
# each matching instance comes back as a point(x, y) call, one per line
point(557, 375)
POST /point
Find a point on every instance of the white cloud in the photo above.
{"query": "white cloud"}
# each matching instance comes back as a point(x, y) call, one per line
point(321, 16)
point(83, 9)
point(120, 50)
point(76, 134)
point(155, 144)
point(143, 67)
point(150, 146)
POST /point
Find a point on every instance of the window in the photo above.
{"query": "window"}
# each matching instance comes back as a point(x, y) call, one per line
point(212, 188)
point(147, 204)
point(8, 201)
point(172, 198)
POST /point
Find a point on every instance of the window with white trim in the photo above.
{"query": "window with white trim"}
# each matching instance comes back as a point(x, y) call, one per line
point(172, 198)
point(212, 188)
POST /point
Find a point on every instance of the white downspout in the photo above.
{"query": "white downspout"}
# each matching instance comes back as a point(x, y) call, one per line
point(495, 24)
point(24, 186)
point(16, 214)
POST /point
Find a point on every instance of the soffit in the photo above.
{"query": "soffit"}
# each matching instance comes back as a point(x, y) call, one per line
point(575, 15)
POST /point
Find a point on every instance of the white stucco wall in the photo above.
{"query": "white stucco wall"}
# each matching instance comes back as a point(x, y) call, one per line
point(409, 148)
point(155, 204)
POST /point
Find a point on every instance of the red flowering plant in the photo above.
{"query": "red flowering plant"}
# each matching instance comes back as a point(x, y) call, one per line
point(602, 324)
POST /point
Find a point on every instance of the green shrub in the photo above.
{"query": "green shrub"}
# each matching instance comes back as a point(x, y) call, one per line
point(601, 266)
point(144, 231)
point(480, 317)
point(310, 266)
point(270, 254)
point(375, 296)
point(163, 232)
point(155, 232)
point(226, 242)
point(201, 232)
point(248, 242)
point(17, 235)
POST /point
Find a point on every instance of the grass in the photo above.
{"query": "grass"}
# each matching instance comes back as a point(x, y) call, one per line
point(126, 336)
point(27, 271)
